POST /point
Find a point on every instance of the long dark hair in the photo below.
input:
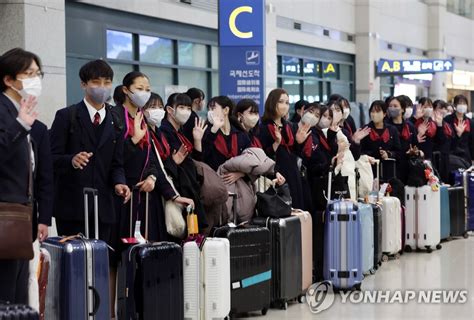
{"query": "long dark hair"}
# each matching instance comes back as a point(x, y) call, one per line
point(271, 103)
point(225, 101)
point(128, 80)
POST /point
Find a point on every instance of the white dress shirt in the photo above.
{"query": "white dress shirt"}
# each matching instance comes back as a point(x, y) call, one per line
point(93, 111)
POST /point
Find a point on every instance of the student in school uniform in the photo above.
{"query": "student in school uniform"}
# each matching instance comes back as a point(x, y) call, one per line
point(280, 142)
point(443, 148)
point(197, 103)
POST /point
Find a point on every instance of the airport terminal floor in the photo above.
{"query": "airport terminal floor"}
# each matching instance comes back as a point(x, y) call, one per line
point(447, 269)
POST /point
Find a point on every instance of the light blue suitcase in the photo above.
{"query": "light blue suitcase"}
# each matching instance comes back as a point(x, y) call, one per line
point(342, 245)
point(367, 232)
point(445, 213)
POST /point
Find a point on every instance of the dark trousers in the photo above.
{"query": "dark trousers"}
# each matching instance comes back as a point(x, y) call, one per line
point(14, 281)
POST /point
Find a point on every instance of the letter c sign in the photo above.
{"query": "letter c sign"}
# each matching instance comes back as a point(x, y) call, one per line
point(233, 28)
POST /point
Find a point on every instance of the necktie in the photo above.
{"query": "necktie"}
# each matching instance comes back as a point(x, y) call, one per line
point(96, 119)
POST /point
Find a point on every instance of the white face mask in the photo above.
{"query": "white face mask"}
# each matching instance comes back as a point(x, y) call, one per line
point(324, 123)
point(31, 87)
point(428, 112)
point(182, 116)
point(309, 119)
point(250, 120)
point(408, 113)
point(155, 116)
point(210, 116)
point(346, 113)
point(140, 98)
point(461, 108)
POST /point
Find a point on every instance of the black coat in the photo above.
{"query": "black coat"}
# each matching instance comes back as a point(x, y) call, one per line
point(285, 158)
point(462, 146)
point(407, 136)
point(73, 132)
point(14, 164)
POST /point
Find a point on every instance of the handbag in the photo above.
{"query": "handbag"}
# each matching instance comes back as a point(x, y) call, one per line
point(174, 221)
point(16, 239)
point(275, 202)
point(416, 170)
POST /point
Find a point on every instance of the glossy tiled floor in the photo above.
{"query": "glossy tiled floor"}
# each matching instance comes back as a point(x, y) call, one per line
point(452, 267)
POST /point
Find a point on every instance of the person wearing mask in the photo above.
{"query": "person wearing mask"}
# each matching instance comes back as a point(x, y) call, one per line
point(382, 142)
point(197, 97)
point(407, 133)
point(177, 165)
point(409, 114)
point(463, 142)
point(348, 124)
point(279, 142)
point(140, 164)
point(246, 112)
point(223, 139)
point(26, 170)
point(429, 127)
point(300, 106)
point(442, 148)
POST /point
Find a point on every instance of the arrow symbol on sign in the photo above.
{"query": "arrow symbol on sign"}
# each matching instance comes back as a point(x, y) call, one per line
point(448, 65)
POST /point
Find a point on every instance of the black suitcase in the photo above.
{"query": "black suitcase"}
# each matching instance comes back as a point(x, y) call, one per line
point(377, 236)
point(250, 266)
point(17, 312)
point(457, 211)
point(286, 258)
point(150, 281)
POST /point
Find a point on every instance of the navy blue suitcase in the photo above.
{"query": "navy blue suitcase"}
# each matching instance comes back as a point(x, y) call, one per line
point(150, 280)
point(78, 285)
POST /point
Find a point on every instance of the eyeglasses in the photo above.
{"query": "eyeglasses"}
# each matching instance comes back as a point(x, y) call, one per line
point(32, 74)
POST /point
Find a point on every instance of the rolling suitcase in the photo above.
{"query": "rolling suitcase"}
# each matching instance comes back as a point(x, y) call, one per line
point(391, 227)
point(457, 212)
point(342, 244)
point(367, 231)
point(150, 280)
point(286, 258)
point(78, 281)
point(17, 312)
point(423, 230)
point(466, 179)
point(306, 248)
point(192, 280)
point(377, 236)
point(250, 265)
point(445, 213)
point(215, 272)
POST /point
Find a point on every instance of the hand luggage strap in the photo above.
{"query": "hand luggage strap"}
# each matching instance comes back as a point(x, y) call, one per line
point(135, 188)
point(95, 194)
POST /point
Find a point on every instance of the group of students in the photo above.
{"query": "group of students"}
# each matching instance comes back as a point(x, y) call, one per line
point(143, 143)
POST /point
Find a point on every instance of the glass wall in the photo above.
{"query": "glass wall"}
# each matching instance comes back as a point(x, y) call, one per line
point(166, 61)
point(315, 79)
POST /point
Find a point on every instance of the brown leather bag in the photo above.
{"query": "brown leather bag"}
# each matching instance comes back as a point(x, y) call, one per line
point(16, 231)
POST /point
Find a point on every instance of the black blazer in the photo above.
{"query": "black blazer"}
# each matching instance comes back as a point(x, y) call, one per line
point(73, 132)
point(14, 162)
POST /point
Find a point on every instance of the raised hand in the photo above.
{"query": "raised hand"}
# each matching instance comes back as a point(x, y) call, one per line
point(27, 112)
point(438, 118)
point(419, 112)
point(218, 122)
point(179, 155)
point(360, 134)
point(278, 138)
point(199, 129)
point(139, 128)
point(303, 133)
point(460, 127)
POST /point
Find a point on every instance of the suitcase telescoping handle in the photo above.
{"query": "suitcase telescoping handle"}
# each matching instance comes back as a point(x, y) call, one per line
point(135, 188)
point(234, 206)
point(95, 194)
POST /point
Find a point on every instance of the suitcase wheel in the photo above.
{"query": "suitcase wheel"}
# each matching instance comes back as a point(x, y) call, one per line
point(465, 235)
point(372, 271)
point(301, 299)
point(408, 249)
point(439, 246)
point(429, 250)
point(284, 305)
point(264, 311)
point(385, 258)
point(397, 256)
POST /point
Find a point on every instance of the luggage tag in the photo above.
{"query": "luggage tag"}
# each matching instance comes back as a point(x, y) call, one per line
point(137, 237)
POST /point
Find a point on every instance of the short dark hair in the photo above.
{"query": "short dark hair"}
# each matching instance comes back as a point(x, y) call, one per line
point(94, 70)
point(14, 62)
point(424, 100)
point(271, 104)
point(400, 99)
point(195, 93)
point(300, 104)
point(459, 98)
point(378, 104)
point(177, 99)
point(244, 104)
point(154, 97)
point(335, 96)
point(440, 104)
point(407, 99)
